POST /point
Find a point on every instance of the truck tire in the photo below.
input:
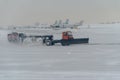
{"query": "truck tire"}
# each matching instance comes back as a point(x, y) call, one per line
point(62, 44)
point(48, 43)
point(65, 43)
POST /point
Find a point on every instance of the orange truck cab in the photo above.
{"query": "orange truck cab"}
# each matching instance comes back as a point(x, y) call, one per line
point(67, 35)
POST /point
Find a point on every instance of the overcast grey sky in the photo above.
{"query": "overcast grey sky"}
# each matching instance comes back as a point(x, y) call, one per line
point(26, 12)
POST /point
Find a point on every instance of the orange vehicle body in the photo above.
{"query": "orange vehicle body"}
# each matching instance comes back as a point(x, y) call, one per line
point(67, 35)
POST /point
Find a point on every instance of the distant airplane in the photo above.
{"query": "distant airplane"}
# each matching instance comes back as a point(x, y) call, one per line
point(65, 24)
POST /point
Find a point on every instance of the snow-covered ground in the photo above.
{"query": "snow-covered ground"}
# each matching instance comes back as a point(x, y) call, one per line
point(98, 60)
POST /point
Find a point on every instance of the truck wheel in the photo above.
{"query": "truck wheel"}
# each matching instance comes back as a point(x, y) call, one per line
point(48, 42)
point(65, 44)
point(62, 44)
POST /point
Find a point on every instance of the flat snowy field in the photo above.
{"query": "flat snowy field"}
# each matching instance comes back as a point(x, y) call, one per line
point(98, 60)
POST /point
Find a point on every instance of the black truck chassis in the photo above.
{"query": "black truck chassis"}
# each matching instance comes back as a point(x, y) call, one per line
point(67, 42)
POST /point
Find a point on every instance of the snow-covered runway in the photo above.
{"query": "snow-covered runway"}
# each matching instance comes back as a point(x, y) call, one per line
point(98, 60)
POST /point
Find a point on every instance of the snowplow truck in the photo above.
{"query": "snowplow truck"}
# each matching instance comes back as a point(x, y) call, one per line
point(67, 39)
